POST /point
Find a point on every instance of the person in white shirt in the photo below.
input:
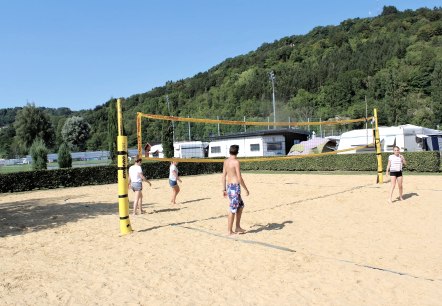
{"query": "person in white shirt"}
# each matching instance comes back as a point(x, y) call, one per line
point(136, 179)
point(173, 181)
point(394, 167)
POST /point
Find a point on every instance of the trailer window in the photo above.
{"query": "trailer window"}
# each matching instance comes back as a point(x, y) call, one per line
point(274, 146)
point(191, 148)
point(254, 147)
point(215, 149)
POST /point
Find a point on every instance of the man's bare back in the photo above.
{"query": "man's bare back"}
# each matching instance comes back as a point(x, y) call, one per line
point(231, 167)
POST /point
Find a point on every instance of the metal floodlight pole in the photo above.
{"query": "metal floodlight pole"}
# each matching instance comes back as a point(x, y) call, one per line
point(272, 78)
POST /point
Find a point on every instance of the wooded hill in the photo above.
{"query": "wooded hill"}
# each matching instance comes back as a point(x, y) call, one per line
point(393, 61)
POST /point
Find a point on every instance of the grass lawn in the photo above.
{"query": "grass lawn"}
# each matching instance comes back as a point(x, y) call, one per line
point(75, 164)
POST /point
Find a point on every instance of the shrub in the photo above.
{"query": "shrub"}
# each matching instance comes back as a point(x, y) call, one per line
point(64, 156)
point(39, 154)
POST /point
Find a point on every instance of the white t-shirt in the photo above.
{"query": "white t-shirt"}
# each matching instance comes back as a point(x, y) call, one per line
point(395, 163)
point(134, 172)
point(171, 174)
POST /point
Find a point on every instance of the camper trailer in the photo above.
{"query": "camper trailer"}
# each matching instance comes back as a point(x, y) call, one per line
point(258, 143)
point(408, 137)
point(191, 149)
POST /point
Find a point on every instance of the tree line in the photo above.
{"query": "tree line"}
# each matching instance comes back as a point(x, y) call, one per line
point(392, 62)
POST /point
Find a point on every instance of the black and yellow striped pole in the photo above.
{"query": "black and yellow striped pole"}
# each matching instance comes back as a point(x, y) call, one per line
point(123, 180)
point(377, 142)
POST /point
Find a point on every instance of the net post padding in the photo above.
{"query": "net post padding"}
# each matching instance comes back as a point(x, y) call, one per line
point(380, 178)
point(123, 175)
point(139, 137)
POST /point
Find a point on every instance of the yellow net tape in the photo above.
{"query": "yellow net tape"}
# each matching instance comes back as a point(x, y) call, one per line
point(247, 160)
point(231, 122)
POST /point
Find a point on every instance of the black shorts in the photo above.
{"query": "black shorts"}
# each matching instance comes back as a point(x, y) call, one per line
point(396, 173)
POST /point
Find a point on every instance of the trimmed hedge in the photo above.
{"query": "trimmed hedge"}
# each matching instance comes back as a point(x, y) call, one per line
point(66, 177)
point(99, 175)
point(73, 177)
point(428, 161)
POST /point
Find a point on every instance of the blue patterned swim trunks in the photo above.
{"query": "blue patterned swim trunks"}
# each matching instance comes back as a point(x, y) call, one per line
point(234, 193)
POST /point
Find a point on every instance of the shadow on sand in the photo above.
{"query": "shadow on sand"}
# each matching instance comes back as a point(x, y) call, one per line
point(269, 227)
point(22, 217)
point(163, 210)
point(196, 200)
point(409, 195)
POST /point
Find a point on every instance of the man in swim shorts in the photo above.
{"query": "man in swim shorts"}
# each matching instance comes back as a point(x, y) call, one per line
point(232, 182)
point(234, 194)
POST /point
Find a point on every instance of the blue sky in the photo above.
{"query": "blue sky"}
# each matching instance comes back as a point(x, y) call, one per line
point(81, 53)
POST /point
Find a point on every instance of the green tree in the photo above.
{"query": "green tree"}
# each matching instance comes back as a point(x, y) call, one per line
point(436, 94)
point(76, 132)
point(303, 105)
point(395, 96)
point(32, 123)
point(6, 138)
point(167, 139)
point(59, 128)
point(389, 10)
point(64, 156)
point(39, 154)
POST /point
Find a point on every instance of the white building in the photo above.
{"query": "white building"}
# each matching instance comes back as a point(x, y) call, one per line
point(258, 143)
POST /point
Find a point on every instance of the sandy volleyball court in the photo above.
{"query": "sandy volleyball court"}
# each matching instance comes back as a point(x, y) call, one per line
point(312, 239)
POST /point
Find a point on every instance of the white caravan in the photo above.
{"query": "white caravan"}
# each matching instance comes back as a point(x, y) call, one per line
point(408, 137)
point(259, 143)
point(190, 149)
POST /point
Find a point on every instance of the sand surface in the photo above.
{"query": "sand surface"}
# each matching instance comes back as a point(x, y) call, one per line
point(311, 240)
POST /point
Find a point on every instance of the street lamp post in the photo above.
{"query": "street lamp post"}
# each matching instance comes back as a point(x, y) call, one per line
point(272, 78)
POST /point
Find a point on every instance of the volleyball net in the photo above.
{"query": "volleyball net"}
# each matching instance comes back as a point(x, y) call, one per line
point(204, 140)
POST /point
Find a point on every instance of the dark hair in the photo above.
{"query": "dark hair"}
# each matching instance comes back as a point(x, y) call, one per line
point(234, 150)
point(138, 160)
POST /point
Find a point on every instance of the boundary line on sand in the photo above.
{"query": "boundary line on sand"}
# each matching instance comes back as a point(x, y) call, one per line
point(281, 248)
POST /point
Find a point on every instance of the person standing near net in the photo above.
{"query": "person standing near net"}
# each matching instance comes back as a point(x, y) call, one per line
point(136, 179)
point(394, 167)
point(173, 181)
point(232, 182)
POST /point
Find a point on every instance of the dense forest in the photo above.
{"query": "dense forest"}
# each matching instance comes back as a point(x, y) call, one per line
point(392, 62)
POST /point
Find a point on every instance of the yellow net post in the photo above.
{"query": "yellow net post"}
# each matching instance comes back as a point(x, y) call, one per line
point(139, 138)
point(123, 180)
point(379, 179)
